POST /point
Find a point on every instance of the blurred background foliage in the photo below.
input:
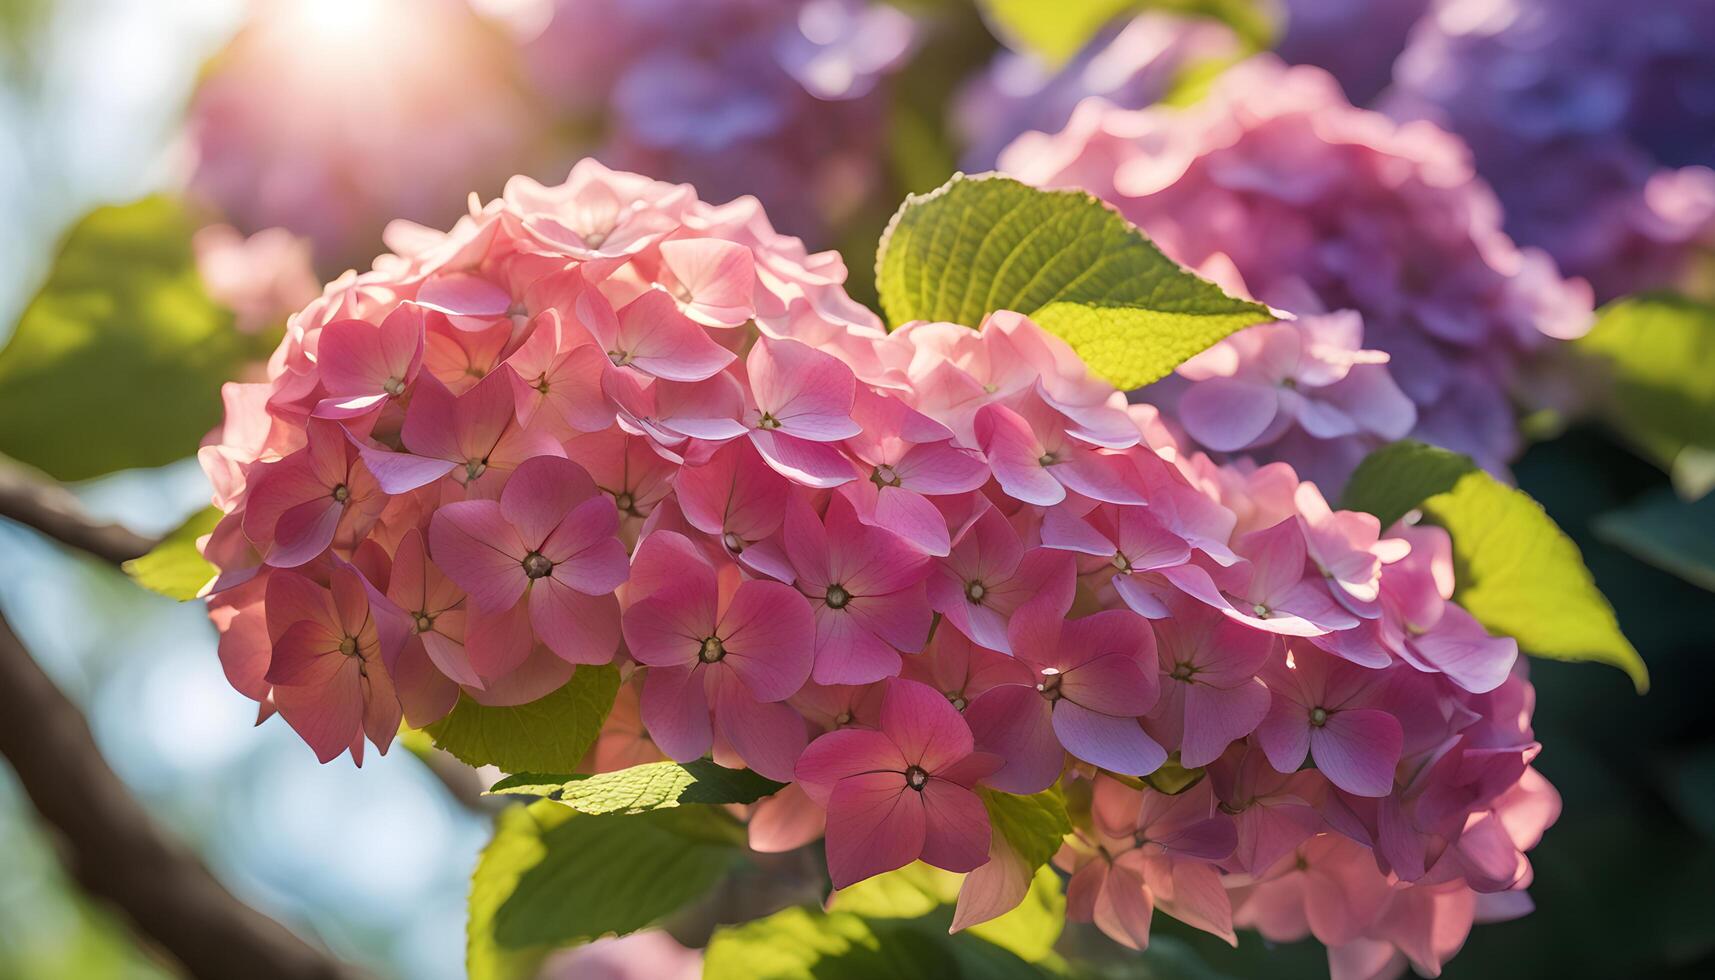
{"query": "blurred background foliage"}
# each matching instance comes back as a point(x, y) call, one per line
point(376, 863)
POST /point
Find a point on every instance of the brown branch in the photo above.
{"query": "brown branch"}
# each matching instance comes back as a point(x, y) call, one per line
point(115, 850)
point(52, 509)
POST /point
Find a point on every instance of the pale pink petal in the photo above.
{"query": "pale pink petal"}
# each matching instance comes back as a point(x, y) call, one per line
point(657, 339)
point(498, 642)
point(719, 278)
point(1015, 455)
point(786, 821)
point(1124, 907)
point(1227, 414)
point(810, 464)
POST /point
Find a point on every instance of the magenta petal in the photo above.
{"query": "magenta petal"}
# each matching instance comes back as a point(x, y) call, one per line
point(304, 531)
point(668, 628)
point(475, 546)
point(875, 825)
point(1357, 750)
point(539, 494)
point(579, 628)
point(911, 516)
point(1013, 722)
point(1284, 733)
point(847, 653)
point(810, 464)
point(398, 473)
point(1216, 717)
point(846, 752)
point(675, 710)
point(1117, 744)
point(1459, 647)
point(956, 832)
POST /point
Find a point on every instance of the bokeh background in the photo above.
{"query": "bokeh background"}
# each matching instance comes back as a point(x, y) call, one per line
point(830, 111)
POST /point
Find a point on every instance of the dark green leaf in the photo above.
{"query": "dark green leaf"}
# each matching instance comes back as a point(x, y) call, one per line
point(1516, 571)
point(516, 847)
point(547, 735)
point(613, 874)
point(653, 786)
point(803, 944)
point(175, 568)
point(118, 361)
point(981, 244)
point(1667, 532)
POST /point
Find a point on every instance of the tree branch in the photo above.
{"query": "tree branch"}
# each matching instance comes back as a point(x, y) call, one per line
point(53, 510)
point(115, 850)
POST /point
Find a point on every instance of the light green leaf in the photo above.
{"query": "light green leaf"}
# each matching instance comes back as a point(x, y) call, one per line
point(1516, 571)
point(1173, 778)
point(612, 874)
point(175, 568)
point(652, 786)
point(1033, 825)
point(549, 734)
point(1667, 532)
point(118, 361)
point(981, 244)
point(919, 890)
point(1030, 930)
point(516, 847)
point(802, 944)
point(1654, 355)
point(912, 891)
point(1056, 31)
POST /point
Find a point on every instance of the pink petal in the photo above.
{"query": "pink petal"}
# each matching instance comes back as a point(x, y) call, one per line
point(306, 654)
point(586, 551)
point(304, 532)
point(875, 825)
point(1357, 750)
point(929, 731)
point(1284, 733)
point(668, 628)
point(719, 276)
point(661, 341)
point(1226, 414)
point(1013, 722)
point(1459, 647)
point(1217, 717)
point(426, 694)
point(768, 736)
point(579, 628)
point(327, 716)
point(1124, 907)
point(1116, 744)
point(809, 393)
point(539, 494)
point(399, 473)
point(498, 642)
point(810, 464)
point(957, 830)
point(675, 710)
point(768, 632)
point(845, 752)
point(1015, 455)
point(848, 653)
point(478, 549)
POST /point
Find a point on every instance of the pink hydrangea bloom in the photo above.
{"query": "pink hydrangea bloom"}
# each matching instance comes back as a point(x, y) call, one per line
point(549, 439)
point(1416, 311)
point(262, 278)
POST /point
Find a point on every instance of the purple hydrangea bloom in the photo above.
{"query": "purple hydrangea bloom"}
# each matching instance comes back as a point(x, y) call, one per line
point(1131, 64)
point(1356, 41)
point(777, 98)
point(1279, 188)
point(1593, 119)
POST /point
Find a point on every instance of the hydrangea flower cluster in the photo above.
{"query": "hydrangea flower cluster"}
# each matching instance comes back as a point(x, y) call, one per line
point(329, 117)
point(1594, 120)
point(606, 422)
point(1356, 41)
point(1415, 310)
point(1131, 63)
point(777, 98)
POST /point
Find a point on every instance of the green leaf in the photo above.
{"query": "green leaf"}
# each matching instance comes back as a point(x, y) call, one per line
point(516, 847)
point(118, 361)
point(612, 874)
point(1033, 825)
point(175, 568)
point(803, 944)
point(981, 244)
point(1655, 355)
point(1667, 532)
point(549, 734)
point(1030, 930)
point(1516, 571)
point(907, 893)
point(653, 786)
point(1173, 778)
point(1056, 31)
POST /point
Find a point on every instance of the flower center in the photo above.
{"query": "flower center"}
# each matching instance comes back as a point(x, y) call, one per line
point(884, 476)
point(712, 650)
point(1121, 562)
point(594, 239)
point(843, 718)
point(956, 699)
point(424, 622)
point(975, 591)
point(342, 493)
point(838, 597)
point(1261, 611)
point(767, 422)
point(348, 646)
point(1047, 459)
point(916, 777)
point(536, 565)
point(619, 358)
point(393, 386)
point(733, 542)
point(1182, 672)
point(1318, 717)
point(474, 468)
point(1049, 685)
point(626, 503)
